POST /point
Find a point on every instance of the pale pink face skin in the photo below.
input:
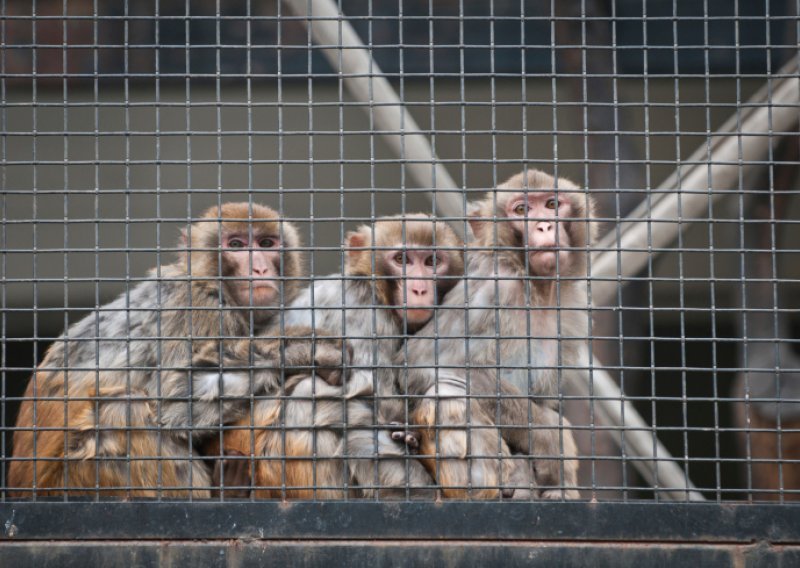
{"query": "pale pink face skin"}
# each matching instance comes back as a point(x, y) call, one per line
point(415, 270)
point(540, 219)
point(257, 258)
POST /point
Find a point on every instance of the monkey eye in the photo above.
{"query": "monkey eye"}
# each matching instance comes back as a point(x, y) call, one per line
point(520, 209)
point(236, 243)
point(551, 203)
point(266, 242)
point(398, 258)
point(429, 261)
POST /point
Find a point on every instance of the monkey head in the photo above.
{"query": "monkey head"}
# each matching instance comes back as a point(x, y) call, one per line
point(251, 248)
point(542, 221)
point(415, 261)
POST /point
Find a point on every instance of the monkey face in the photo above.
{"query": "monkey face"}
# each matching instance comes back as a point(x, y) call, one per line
point(414, 271)
point(541, 220)
point(254, 264)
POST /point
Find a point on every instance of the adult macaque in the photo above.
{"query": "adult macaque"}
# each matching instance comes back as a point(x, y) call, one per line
point(396, 272)
point(490, 378)
point(114, 409)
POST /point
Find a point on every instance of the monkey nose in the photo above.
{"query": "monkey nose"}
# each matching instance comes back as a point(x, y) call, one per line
point(420, 289)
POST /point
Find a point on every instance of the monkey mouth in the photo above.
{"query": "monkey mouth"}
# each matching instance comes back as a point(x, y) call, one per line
point(544, 261)
point(417, 314)
point(260, 285)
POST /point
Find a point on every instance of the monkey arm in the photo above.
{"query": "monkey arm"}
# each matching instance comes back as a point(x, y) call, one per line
point(223, 376)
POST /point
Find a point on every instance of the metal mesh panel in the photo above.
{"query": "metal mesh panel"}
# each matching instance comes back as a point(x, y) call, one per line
point(670, 356)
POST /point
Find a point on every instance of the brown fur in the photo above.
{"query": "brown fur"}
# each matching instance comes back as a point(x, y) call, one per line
point(310, 421)
point(391, 232)
point(61, 418)
point(464, 443)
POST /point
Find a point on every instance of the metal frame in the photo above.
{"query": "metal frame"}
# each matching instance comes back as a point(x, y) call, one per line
point(711, 533)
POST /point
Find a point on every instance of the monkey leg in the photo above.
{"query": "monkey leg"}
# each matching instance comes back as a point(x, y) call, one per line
point(296, 444)
point(380, 465)
point(555, 467)
point(460, 446)
point(111, 446)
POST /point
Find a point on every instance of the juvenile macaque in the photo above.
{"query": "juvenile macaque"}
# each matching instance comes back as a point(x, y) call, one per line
point(525, 301)
point(114, 406)
point(396, 273)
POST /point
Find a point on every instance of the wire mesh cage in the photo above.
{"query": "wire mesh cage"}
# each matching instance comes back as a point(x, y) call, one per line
point(357, 251)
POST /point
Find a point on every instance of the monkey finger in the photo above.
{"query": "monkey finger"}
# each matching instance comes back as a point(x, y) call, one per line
point(330, 375)
point(408, 437)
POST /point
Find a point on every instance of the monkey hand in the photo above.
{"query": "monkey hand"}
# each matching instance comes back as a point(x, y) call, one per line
point(326, 357)
point(401, 434)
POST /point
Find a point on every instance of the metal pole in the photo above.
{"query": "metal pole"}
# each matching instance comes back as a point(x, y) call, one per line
point(366, 83)
point(745, 137)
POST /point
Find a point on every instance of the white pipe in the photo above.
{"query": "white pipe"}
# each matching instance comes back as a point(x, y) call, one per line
point(689, 191)
point(366, 83)
point(653, 460)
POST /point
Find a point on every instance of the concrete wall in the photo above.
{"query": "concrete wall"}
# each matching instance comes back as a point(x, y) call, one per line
point(98, 194)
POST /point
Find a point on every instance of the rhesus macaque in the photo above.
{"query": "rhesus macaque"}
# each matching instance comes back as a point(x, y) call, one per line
point(490, 380)
point(114, 408)
point(396, 273)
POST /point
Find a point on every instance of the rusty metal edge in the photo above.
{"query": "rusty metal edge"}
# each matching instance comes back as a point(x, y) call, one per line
point(541, 521)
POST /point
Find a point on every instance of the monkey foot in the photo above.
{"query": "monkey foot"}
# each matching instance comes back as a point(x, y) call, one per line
point(408, 437)
point(558, 494)
point(237, 476)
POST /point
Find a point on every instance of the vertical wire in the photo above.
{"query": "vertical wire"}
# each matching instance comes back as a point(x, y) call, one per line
point(586, 176)
point(159, 260)
point(340, 98)
point(281, 212)
point(96, 226)
point(530, 358)
point(65, 125)
point(222, 312)
point(311, 167)
point(773, 258)
point(4, 260)
point(127, 246)
point(374, 252)
point(65, 204)
point(189, 180)
point(497, 333)
point(617, 212)
point(34, 247)
point(403, 205)
point(650, 269)
point(743, 257)
point(680, 250)
point(711, 256)
point(250, 196)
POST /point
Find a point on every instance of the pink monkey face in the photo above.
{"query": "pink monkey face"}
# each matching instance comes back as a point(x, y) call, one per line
point(415, 272)
point(254, 264)
point(541, 218)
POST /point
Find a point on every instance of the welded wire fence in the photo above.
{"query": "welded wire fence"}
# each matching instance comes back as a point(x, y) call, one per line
point(159, 343)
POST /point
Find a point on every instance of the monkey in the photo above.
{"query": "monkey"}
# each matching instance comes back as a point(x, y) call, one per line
point(114, 407)
point(521, 293)
point(396, 272)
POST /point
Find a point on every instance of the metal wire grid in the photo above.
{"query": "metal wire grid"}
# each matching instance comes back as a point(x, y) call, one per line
point(100, 104)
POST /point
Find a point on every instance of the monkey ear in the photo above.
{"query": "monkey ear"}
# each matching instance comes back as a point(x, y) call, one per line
point(477, 224)
point(183, 239)
point(355, 240)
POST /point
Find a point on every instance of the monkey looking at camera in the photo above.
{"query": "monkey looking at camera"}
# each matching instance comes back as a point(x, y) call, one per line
point(113, 407)
point(396, 272)
point(525, 300)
